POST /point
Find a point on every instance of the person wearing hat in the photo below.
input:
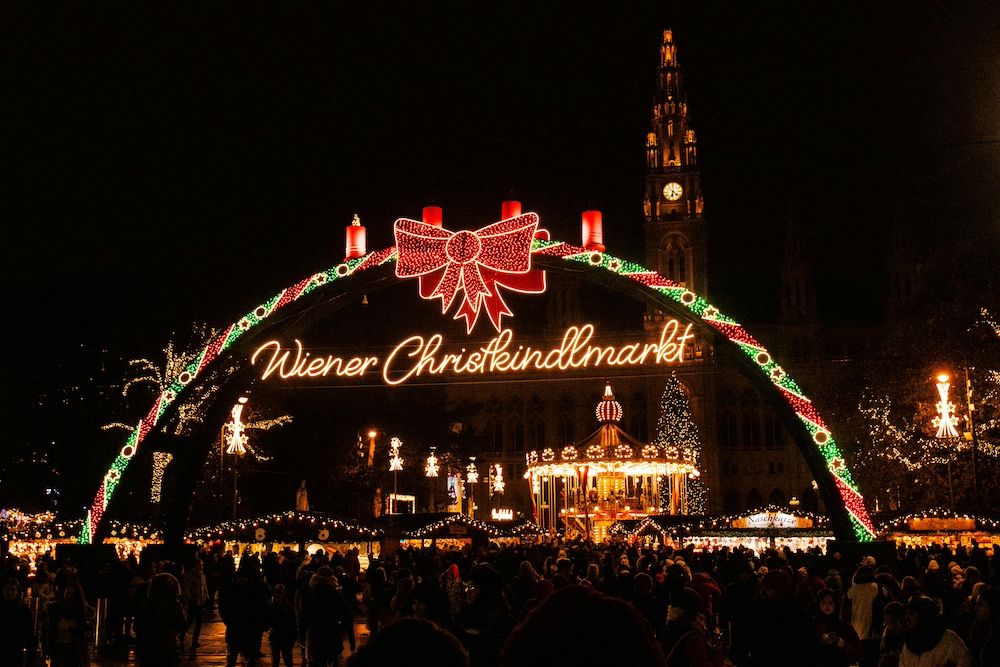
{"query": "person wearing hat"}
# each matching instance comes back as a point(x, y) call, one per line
point(859, 603)
point(243, 607)
point(927, 642)
point(486, 621)
point(326, 618)
point(685, 638)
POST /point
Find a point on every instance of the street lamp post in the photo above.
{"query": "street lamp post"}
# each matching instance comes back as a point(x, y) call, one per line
point(971, 435)
point(395, 465)
point(472, 476)
point(945, 423)
point(236, 445)
point(371, 447)
point(431, 471)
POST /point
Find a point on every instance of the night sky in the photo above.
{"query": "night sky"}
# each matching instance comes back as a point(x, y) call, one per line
point(166, 165)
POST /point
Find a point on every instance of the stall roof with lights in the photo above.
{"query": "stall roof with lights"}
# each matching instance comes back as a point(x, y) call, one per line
point(434, 525)
point(288, 527)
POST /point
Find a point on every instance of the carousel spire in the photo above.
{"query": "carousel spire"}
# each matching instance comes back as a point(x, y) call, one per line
point(609, 410)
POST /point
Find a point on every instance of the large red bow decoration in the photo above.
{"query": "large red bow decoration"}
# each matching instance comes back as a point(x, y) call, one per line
point(475, 263)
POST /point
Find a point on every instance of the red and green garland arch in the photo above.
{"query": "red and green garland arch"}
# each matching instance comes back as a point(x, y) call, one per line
point(648, 280)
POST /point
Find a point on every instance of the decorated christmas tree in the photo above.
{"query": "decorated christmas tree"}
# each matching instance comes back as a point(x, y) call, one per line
point(675, 428)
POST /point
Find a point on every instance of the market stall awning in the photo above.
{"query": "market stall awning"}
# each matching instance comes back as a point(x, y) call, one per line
point(288, 527)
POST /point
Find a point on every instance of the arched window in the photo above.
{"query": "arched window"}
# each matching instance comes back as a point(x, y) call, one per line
point(728, 427)
point(754, 499)
point(536, 424)
point(772, 433)
point(777, 497)
point(731, 502)
point(635, 413)
point(518, 436)
point(675, 255)
point(750, 420)
point(496, 426)
point(565, 425)
point(809, 500)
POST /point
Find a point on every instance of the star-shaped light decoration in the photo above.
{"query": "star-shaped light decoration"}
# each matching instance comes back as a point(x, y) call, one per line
point(778, 373)
point(837, 464)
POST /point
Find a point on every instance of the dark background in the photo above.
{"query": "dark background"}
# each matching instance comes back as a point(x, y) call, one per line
point(164, 166)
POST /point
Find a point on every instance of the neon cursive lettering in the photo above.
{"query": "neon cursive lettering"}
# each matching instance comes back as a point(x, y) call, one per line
point(418, 356)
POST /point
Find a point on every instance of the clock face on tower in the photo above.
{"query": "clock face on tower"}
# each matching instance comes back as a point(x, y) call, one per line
point(672, 191)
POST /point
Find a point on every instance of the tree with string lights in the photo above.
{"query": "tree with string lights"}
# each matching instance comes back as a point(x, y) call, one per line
point(676, 428)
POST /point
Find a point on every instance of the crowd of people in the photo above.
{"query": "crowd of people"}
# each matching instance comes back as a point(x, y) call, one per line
point(538, 604)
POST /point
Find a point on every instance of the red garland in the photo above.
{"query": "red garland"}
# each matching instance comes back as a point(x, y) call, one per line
point(475, 263)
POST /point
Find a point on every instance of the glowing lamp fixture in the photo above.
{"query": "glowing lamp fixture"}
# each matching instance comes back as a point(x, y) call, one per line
point(946, 421)
point(593, 232)
point(431, 467)
point(356, 239)
point(236, 437)
point(395, 460)
point(498, 483)
point(471, 473)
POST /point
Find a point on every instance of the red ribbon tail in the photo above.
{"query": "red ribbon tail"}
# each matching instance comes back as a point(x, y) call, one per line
point(449, 285)
point(470, 313)
point(496, 308)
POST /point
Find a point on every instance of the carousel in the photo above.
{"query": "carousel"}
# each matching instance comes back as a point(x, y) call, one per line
point(583, 489)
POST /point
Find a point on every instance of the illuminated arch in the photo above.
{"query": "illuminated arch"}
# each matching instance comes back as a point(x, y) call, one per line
point(849, 517)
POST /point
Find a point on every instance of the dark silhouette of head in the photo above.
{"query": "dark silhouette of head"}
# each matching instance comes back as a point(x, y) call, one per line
point(572, 627)
point(414, 642)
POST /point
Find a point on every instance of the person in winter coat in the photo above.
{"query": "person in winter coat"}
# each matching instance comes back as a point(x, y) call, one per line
point(928, 642)
point(281, 626)
point(69, 628)
point(686, 639)
point(326, 618)
point(774, 632)
point(839, 644)
point(486, 621)
point(195, 594)
point(160, 624)
point(18, 646)
point(242, 606)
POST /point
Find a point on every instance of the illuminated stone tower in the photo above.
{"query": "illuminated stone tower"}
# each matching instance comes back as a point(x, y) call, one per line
point(675, 228)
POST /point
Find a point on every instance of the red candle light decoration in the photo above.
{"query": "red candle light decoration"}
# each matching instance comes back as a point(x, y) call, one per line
point(432, 215)
point(510, 209)
point(356, 239)
point(593, 234)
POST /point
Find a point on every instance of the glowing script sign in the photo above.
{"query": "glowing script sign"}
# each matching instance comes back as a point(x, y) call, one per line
point(417, 357)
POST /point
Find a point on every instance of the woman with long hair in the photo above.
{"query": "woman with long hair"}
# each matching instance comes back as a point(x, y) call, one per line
point(160, 624)
point(839, 644)
point(69, 628)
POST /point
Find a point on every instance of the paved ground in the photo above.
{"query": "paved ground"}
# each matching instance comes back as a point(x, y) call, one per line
point(213, 648)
